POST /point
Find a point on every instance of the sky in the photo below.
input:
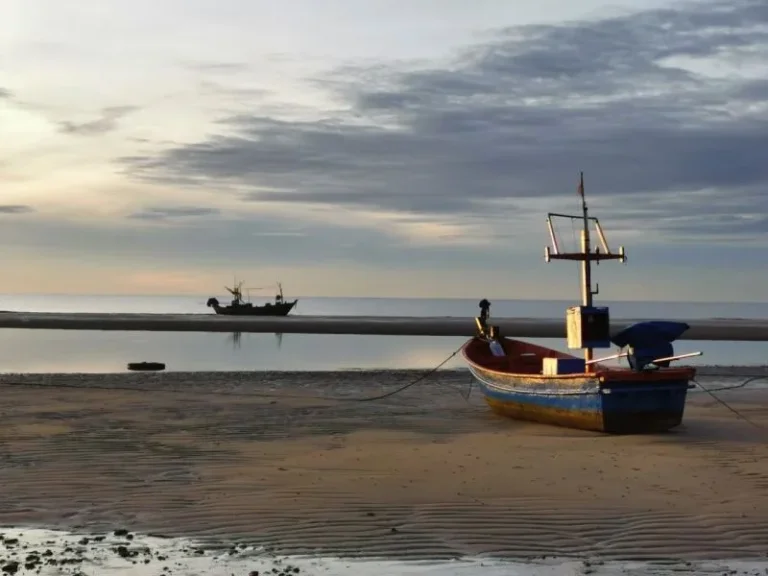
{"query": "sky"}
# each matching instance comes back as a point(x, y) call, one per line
point(382, 148)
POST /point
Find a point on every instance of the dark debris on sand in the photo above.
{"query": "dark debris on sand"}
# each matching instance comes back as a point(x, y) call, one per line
point(18, 556)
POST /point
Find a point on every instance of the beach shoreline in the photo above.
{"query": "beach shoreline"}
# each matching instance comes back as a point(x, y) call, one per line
point(302, 463)
point(124, 553)
point(320, 377)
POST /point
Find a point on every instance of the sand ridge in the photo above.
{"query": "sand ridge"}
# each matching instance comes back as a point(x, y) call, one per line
point(424, 473)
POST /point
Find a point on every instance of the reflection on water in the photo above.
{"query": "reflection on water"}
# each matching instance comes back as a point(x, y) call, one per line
point(74, 351)
point(69, 351)
point(237, 337)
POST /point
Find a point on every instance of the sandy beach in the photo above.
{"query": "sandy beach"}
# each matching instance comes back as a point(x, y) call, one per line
point(295, 462)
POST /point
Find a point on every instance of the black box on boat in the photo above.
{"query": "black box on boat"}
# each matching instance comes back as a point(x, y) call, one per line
point(555, 366)
point(588, 327)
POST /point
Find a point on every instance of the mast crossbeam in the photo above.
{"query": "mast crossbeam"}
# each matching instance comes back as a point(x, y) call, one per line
point(593, 256)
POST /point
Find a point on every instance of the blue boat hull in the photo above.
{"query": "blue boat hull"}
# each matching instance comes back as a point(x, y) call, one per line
point(614, 400)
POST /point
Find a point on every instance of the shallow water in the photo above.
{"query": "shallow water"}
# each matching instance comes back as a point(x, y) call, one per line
point(53, 351)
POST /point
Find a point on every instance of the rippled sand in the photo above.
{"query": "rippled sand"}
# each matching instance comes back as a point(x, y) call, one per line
point(262, 459)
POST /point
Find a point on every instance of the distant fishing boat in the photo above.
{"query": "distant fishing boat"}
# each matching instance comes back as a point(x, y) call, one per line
point(528, 382)
point(239, 307)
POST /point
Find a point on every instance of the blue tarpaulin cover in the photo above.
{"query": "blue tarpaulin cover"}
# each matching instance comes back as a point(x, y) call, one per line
point(650, 334)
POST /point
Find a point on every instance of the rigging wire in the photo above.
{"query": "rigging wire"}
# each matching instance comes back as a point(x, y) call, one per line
point(576, 248)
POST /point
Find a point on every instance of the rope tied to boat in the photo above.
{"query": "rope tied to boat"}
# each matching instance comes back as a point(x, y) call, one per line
point(240, 394)
point(409, 384)
point(402, 388)
point(728, 406)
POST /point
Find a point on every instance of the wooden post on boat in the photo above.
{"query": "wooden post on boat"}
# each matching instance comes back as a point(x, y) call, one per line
point(586, 288)
point(588, 327)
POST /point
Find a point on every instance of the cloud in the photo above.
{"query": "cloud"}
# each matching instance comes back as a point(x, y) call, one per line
point(638, 101)
point(107, 122)
point(174, 212)
point(5, 93)
point(16, 209)
point(227, 240)
point(218, 67)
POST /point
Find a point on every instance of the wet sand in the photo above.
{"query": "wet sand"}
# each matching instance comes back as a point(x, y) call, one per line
point(123, 553)
point(262, 459)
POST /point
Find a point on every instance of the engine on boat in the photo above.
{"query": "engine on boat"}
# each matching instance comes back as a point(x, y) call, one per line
point(649, 344)
point(648, 357)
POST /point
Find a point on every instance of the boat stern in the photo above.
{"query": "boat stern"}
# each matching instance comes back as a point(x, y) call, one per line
point(643, 402)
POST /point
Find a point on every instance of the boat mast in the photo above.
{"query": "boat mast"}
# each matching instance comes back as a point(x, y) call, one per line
point(585, 256)
point(586, 263)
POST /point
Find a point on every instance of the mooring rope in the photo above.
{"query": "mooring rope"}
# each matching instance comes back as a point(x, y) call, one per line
point(389, 394)
point(237, 394)
point(728, 406)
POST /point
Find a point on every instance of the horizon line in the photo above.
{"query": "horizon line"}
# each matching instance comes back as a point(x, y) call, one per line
point(416, 298)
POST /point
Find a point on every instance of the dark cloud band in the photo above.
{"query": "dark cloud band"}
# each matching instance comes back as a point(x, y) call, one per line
point(517, 117)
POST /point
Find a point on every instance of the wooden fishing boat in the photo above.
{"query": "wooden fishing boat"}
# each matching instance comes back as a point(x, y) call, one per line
point(525, 381)
point(239, 307)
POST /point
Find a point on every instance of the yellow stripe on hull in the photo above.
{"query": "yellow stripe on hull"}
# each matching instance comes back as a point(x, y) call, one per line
point(548, 415)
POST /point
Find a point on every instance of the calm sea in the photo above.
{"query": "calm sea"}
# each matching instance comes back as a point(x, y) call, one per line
point(71, 351)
